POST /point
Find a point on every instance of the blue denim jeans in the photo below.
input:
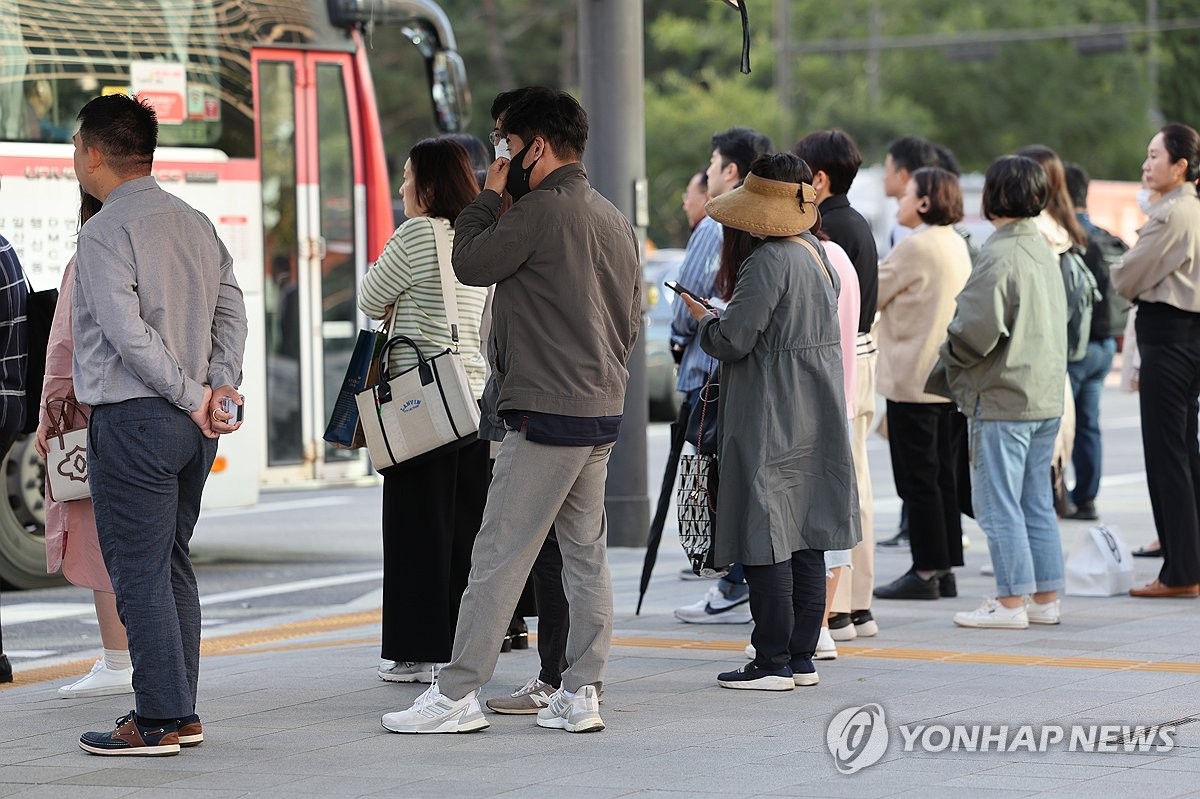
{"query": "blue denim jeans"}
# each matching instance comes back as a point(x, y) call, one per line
point(1087, 381)
point(1014, 504)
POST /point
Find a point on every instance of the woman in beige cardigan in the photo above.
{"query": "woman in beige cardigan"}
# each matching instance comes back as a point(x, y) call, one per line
point(918, 282)
point(1162, 275)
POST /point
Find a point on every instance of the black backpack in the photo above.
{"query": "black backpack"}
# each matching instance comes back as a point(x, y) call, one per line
point(1082, 295)
point(1104, 252)
point(39, 313)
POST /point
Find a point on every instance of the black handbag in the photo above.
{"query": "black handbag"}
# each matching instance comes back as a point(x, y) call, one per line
point(39, 315)
point(701, 429)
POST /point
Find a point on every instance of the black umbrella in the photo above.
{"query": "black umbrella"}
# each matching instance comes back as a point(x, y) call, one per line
point(678, 431)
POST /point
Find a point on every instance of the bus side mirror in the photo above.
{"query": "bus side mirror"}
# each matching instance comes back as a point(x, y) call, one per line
point(449, 91)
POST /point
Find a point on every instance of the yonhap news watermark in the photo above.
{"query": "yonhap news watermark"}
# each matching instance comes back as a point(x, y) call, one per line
point(858, 737)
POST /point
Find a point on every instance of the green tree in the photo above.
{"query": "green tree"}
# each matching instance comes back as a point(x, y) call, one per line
point(981, 100)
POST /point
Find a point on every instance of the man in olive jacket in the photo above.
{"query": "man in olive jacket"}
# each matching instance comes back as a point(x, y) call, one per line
point(566, 312)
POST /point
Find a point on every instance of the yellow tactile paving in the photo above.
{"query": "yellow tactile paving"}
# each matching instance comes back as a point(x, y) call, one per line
point(258, 641)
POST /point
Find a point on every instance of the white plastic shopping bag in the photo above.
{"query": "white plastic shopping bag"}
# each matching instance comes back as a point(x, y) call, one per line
point(1100, 566)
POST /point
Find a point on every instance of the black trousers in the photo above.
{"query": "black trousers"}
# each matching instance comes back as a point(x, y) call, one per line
point(926, 440)
point(6, 442)
point(432, 509)
point(1169, 341)
point(552, 611)
point(787, 601)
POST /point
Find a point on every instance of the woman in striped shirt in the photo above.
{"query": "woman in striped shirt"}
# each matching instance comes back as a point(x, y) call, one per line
point(433, 504)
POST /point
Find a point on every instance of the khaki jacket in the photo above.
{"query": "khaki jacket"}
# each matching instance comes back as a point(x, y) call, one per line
point(918, 281)
point(1164, 265)
point(1005, 355)
point(568, 300)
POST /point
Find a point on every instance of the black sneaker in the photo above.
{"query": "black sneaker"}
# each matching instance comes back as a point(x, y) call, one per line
point(5, 669)
point(900, 539)
point(947, 585)
point(908, 586)
point(752, 678)
point(864, 623)
point(132, 738)
point(1085, 511)
point(841, 628)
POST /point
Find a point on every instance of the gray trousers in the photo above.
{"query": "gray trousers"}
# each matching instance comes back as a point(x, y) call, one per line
point(535, 486)
point(147, 463)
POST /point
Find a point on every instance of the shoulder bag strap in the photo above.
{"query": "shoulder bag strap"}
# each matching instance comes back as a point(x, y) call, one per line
point(449, 294)
point(808, 246)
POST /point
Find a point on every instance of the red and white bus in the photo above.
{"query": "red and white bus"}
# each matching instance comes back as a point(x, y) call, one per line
point(268, 124)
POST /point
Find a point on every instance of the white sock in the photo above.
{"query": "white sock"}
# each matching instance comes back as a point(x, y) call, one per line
point(117, 659)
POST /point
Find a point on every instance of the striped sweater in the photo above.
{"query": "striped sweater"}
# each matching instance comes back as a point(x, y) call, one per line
point(407, 275)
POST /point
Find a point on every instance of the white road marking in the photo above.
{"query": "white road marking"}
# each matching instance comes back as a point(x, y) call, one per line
point(290, 588)
point(278, 507)
point(21, 613)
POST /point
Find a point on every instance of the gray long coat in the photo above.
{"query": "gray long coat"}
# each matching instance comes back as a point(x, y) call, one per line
point(787, 481)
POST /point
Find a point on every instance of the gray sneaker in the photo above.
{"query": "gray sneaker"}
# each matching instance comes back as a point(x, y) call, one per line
point(578, 714)
point(526, 700)
point(403, 671)
point(433, 712)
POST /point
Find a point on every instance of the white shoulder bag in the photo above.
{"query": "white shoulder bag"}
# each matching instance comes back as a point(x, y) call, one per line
point(428, 405)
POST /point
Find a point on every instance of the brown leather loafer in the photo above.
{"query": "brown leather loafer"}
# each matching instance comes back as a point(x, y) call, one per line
point(1158, 590)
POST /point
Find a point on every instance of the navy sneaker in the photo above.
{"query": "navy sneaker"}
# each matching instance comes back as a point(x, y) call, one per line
point(804, 672)
point(132, 738)
point(752, 678)
point(191, 731)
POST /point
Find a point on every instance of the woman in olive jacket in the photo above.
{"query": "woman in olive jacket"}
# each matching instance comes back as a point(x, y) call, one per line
point(1162, 275)
point(1004, 363)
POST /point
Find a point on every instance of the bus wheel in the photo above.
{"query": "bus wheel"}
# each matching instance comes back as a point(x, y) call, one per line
point(23, 519)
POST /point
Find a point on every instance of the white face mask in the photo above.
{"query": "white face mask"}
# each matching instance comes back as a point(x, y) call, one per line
point(502, 149)
point(1143, 200)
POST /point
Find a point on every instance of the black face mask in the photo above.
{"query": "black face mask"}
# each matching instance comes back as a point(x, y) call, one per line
point(518, 176)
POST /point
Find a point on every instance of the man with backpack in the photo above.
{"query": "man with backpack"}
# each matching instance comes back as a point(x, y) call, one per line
point(1088, 373)
point(14, 351)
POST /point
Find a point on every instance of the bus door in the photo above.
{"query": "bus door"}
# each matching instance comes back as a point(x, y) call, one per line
point(313, 252)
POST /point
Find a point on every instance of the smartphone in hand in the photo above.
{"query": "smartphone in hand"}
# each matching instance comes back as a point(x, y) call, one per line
point(231, 407)
point(678, 289)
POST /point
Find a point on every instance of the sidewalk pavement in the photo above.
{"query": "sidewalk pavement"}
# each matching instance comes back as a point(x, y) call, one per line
point(294, 710)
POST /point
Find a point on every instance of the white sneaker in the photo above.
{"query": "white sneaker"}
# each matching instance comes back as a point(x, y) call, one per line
point(403, 671)
point(750, 651)
point(433, 712)
point(1042, 612)
point(580, 713)
point(994, 615)
point(716, 608)
point(100, 681)
point(826, 648)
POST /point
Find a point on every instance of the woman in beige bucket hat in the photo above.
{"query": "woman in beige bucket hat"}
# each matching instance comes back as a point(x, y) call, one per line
point(787, 482)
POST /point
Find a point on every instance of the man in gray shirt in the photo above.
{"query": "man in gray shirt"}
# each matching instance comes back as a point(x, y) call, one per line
point(160, 328)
